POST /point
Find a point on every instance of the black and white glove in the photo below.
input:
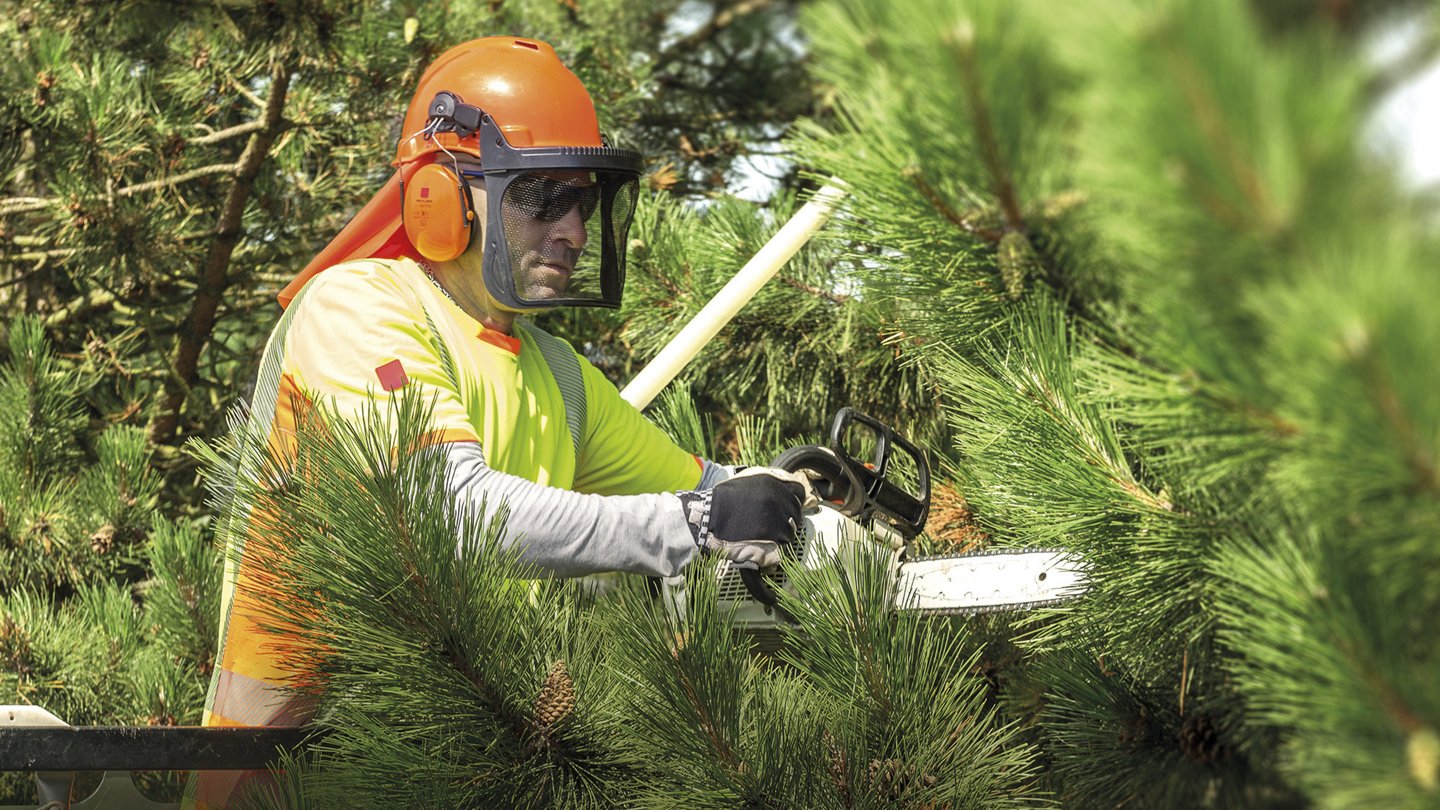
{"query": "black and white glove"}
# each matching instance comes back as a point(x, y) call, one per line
point(749, 517)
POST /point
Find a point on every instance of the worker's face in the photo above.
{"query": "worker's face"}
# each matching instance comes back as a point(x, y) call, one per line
point(545, 222)
point(545, 216)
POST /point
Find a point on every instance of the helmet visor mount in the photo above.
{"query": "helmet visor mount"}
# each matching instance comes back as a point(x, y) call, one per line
point(557, 216)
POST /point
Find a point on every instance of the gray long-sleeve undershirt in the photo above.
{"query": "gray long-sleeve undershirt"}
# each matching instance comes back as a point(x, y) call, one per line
point(568, 534)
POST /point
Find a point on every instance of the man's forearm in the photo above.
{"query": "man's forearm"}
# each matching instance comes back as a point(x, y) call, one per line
point(713, 474)
point(567, 533)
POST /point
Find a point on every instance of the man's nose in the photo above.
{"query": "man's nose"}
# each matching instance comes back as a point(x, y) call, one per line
point(570, 229)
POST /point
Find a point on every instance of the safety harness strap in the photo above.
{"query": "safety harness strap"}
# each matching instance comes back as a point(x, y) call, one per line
point(566, 367)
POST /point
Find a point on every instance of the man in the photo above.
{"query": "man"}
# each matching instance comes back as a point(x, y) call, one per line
point(505, 200)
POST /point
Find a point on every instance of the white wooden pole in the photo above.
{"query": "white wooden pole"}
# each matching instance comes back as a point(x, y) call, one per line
point(733, 296)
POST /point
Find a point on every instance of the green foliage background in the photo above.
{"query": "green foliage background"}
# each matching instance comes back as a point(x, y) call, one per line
point(1132, 272)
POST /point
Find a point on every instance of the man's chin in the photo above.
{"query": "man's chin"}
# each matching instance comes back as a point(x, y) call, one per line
point(546, 283)
point(543, 292)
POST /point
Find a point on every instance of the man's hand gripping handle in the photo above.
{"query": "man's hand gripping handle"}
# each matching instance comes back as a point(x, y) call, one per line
point(750, 517)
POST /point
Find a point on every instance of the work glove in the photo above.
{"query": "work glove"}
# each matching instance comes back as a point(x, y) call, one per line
point(751, 516)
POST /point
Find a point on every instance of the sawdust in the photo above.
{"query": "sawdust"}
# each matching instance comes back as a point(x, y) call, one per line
point(952, 526)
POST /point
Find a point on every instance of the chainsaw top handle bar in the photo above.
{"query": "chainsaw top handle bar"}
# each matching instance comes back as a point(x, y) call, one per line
point(906, 508)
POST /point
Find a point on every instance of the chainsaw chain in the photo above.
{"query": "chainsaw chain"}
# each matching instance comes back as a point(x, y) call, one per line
point(1006, 608)
point(980, 611)
point(986, 552)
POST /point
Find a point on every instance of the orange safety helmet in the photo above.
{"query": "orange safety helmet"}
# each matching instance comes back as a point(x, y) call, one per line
point(511, 103)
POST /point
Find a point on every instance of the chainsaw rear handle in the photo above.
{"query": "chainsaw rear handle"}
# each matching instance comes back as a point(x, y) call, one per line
point(857, 489)
point(833, 482)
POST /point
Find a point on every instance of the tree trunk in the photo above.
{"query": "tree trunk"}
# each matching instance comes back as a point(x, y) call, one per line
point(214, 275)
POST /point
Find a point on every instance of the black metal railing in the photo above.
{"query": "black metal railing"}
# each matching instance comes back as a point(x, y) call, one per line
point(144, 748)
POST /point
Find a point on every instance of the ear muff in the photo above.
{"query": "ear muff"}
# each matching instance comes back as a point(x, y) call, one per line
point(438, 213)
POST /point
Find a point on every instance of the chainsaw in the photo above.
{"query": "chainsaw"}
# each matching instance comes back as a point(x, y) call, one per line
point(880, 506)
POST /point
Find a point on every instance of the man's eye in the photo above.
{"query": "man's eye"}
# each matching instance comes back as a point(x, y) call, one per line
point(567, 197)
point(550, 201)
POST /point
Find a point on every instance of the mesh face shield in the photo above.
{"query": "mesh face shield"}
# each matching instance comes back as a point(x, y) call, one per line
point(557, 221)
point(557, 237)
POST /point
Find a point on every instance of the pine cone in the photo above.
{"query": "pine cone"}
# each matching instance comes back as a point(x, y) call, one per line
point(1200, 739)
point(835, 764)
point(14, 647)
point(888, 779)
point(952, 524)
point(556, 700)
point(1017, 260)
point(103, 540)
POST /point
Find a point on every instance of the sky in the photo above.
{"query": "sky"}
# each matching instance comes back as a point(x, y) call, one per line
point(1408, 120)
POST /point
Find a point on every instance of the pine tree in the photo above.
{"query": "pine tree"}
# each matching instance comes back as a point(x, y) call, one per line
point(63, 522)
point(1173, 305)
point(108, 610)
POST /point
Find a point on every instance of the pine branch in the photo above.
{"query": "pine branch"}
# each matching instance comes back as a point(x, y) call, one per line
point(83, 307)
point(184, 177)
point(1394, 705)
point(828, 295)
point(1381, 387)
point(1209, 114)
point(249, 94)
point(966, 223)
point(21, 205)
point(728, 758)
point(230, 132)
point(214, 276)
point(39, 256)
point(960, 41)
point(518, 726)
point(1251, 412)
point(435, 610)
point(42, 260)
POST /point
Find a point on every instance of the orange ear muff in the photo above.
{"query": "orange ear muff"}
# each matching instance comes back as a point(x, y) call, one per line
point(437, 212)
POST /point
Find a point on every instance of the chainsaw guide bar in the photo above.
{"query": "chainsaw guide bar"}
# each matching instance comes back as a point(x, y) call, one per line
point(990, 581)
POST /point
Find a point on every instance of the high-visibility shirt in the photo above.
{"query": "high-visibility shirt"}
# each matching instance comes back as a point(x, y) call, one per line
point(363, 331)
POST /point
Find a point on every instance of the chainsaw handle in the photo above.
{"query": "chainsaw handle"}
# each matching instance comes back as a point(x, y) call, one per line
point(757, 586)
point(907, 511)
point(764, 594)
point(833, 482)
point(833, 479)
point(857, 490)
